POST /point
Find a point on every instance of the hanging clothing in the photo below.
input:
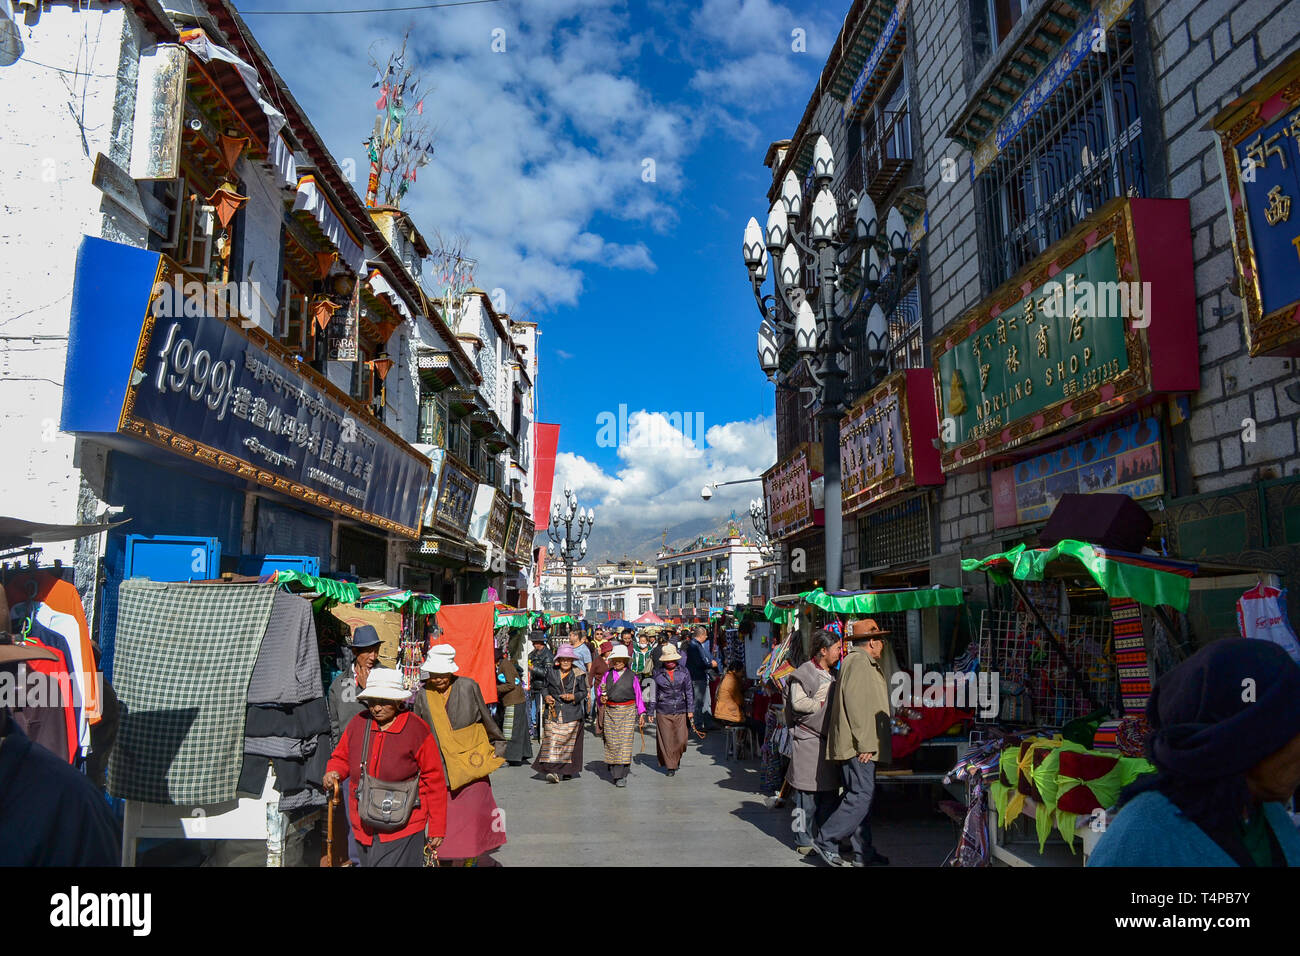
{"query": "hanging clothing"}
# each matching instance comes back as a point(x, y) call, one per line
point(287, 670)
point(62, 597)
point(52, 716)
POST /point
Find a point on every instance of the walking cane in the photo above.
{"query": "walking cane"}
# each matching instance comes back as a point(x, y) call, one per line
point(328, 858)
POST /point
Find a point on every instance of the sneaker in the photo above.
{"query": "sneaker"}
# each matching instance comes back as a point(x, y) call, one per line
point(829, 857)
point(552, 778)
point(803, 850)
point(621, 782)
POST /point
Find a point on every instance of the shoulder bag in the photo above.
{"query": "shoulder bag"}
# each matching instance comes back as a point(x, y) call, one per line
point(384, 806)
point(467, 754)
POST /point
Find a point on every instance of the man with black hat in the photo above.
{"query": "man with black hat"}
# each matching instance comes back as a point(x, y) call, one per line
point(540, 661)
point(342, 698)
point(858, 736)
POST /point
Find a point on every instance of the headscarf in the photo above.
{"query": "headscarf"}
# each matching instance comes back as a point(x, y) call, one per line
point(1213, 718)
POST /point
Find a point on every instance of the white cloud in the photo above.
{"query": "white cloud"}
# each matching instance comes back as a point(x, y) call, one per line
point(657, 485)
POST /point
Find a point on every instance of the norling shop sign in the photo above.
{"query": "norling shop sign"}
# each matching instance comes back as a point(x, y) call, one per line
point(203, 388)
point(1105, 318)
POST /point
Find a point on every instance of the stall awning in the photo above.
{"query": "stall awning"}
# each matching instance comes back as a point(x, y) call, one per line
point(1147, 579)
point(341, 591)
point(884, 600)
point(400, 599)
point(311, 199)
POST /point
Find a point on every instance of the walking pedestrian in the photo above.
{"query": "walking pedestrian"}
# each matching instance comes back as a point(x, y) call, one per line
point(583, 649)
point(514, 718)
point(388, 747)
point(673, 702)
point(1227, 762)
point(598, 669)
point(539, 666)
point(620, 692)
point(700, 662)
point(858, 737)
point(452, 704)
point(344, 701)
point(564, 691)
point(813, 779)
point(656, 653)
point(643, 667)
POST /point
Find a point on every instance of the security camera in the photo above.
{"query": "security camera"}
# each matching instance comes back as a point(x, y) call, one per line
point(706, 492)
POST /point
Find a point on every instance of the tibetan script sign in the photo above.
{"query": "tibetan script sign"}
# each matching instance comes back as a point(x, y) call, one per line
point(455, 497)
point(886, 440)
point(788, 491)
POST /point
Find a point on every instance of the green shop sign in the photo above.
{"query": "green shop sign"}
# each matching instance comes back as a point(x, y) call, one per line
point(1063, 339)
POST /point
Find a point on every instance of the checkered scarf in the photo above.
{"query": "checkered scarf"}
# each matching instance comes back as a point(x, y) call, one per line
point(185, 655)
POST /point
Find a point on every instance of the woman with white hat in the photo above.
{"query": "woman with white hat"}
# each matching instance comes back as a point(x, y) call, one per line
point(455, 709)
point(619, 690)
point(674, 700)
point(388, 756)
point(564, 694)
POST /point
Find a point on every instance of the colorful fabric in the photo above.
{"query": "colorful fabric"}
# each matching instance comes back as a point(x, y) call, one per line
point(468, 628)
point(973, 844)
point(1118, 574)
point(558, 741)
point(1130, 655)
point(1107, 736)
point(1131, 735)
point(185, 654)
point(620, 728)
point(882, 601)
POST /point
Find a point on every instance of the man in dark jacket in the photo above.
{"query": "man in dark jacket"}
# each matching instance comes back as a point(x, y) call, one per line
point(700, 661)
point(342, 697)
point(540, 661)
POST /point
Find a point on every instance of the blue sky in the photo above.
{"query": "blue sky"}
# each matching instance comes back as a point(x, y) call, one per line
point(638, 287)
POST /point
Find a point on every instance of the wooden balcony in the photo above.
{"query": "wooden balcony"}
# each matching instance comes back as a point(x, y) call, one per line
point(887, 158)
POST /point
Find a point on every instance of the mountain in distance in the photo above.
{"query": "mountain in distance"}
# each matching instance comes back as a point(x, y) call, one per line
point(614, 544)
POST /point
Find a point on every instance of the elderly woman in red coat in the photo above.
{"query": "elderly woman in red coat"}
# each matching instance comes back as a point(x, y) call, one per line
point(399, 747)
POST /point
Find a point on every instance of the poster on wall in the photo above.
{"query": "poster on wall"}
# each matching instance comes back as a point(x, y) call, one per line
point(1123, 461)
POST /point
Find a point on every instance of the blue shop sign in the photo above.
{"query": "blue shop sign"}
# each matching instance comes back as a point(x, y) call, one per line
point(201, 387)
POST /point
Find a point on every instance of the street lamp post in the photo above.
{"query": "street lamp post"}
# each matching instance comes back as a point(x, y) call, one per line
point(570, 546)
point(851, 285)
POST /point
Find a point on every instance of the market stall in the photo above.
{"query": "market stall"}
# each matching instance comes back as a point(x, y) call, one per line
point(1076, 650)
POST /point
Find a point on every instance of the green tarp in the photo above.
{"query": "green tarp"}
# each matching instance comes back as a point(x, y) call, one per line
point(407, 601)
point(514, 619)
point(1117, 578)
point(880, 602)
point(340, 591)
point(778, 615)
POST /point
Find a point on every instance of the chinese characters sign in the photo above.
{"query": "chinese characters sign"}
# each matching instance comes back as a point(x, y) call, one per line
point(1259, 139)
point(788, 490)
point(455, 497)
point(1123, 461)
point(205, 389)
point(886, 440)
point(496, 529)
point(1080, 333)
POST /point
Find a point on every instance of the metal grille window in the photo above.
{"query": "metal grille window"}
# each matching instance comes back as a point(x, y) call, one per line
point(898, 534)
point(904, 343)
point(1081, 148)
point(433, 421)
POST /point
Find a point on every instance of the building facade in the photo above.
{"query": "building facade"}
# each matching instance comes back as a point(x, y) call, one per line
point(707, 573)
point(227, 344)
point(1089, 145)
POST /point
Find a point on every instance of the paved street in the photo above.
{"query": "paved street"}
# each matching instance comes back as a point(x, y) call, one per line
point(709, 814)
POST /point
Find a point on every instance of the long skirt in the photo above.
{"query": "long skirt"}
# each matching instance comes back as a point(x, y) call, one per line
point(514, 724)
point(474, 825)
point(408, 851)
point(561, 749)
point(620, 727)
point(670, 736)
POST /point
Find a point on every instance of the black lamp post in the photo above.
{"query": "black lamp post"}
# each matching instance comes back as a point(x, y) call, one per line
point(569, 538)
point(851, 283)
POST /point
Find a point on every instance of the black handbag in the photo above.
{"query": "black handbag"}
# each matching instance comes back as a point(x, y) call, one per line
point(385, 806)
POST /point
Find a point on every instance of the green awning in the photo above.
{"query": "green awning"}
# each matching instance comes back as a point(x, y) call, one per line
point(1119, 579)
point(560, 618)
point(778, 615)
point(340, 591)
point(880, 602)
point(408, 601)
point(514, 619)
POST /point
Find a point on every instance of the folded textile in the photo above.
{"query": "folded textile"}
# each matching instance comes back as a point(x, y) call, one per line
point(280, 747)
point(298, 721)
point(185, 653)
point(287, 670)
point(308, 797)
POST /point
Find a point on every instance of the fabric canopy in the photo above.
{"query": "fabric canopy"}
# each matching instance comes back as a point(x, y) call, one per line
point(311, 197)
point(1119, 574)
point(879, 602)
point(513, 617)
point(340, 591)
point(649, 617)
point(400, 599)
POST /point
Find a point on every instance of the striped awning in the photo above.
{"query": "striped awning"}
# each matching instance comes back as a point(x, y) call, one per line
point(312, 200)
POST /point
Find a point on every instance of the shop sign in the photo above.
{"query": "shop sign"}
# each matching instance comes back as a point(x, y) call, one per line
point(1259, 153)
point(887, 440)
point(1124, 461)
point(455, 496)
point(496, 531)
point(203, 388)
point(787, 489)
point(343, 331)
point(1080, 333)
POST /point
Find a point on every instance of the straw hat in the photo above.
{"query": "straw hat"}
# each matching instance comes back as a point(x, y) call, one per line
point(384, 683)
point(670, 653)
point(619, 651)
point(441, 659)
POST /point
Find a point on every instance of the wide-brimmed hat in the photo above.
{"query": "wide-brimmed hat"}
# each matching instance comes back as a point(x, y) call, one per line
point(17, 653)
point(865, 630)
point(566, 651)
point(670, 653)
point(441, 659)
point(619, 651)
point(384, 683)
point(365, 636)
